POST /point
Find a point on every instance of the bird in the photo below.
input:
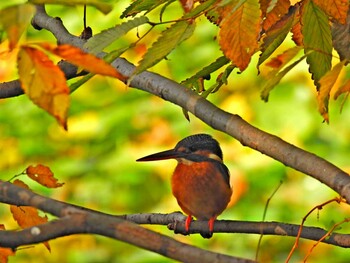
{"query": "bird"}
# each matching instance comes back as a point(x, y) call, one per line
point(201, 181)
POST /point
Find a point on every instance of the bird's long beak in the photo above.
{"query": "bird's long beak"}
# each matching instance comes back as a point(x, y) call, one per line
point(169, 154)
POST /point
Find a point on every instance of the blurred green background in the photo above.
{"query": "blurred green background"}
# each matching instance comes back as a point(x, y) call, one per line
point(111, 125)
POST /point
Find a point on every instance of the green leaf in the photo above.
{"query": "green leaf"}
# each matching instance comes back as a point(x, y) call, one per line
point(14, 20)
point(272, 82)
point(170, 38)
point(326, 84)
point(276, 34)
point(142, 5)
point(221, 80)
point(317, 37)
point(103, 7)
point(220, 62)
point(100, 41)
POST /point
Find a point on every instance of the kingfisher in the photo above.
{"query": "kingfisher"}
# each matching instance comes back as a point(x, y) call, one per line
point(201, 181)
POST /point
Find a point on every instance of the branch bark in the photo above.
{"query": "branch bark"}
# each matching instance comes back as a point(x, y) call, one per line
point(74, 220)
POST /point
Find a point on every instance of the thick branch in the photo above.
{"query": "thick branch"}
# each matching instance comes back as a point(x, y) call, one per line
point(233, 226)
point(74, 220)
point(83, 220)
point(231, 124)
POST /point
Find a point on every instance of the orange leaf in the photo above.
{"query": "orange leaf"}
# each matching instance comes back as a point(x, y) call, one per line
point(296, 30)
point(85, 60)
point(27, 216)
point(14, 20)
point(43, 175)
point(337, 9)
point(326, 84)
point(5, 252)
point(239, 32)
point(44, 83)
point(279, 10)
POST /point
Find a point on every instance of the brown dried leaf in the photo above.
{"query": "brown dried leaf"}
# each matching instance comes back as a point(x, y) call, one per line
point(296, 30)
point(43, 175)
point(27, 216)
point(341, 38)
point(336, 9)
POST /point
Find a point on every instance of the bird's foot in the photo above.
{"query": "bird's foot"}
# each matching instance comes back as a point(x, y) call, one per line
point(209, 234)
point(188, 223)
point(211, 224)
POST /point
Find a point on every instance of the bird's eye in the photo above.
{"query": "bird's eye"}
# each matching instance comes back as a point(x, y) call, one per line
point(184, 150)
point(191, 150)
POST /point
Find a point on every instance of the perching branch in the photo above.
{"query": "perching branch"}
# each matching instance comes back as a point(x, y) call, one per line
point(76, 220)
point(234, 226)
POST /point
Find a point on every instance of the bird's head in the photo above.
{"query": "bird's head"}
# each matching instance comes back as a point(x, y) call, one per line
point(194, 148)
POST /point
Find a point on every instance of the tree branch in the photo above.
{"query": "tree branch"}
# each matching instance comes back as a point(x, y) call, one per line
point(83, 220)
point(231, 124)
point(75, 220)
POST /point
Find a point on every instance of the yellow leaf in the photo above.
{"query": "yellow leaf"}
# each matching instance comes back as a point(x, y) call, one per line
point(239, 32)
point(85, 60)
point(15, 20)
point(43, 175)
point(27, 216)
point(343, 89)
point(326, 84)
point(44, 83)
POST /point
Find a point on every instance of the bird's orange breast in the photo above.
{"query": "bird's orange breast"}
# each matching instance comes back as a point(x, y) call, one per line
point(200, 189)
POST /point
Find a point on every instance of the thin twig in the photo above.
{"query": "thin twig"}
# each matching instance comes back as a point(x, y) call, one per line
point(264, 216)
point(318, 207)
